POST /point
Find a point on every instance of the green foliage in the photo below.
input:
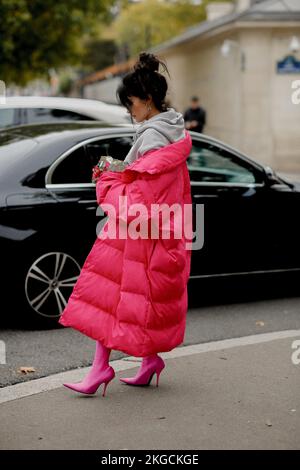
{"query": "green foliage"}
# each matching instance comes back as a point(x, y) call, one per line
point(65, 84)
point(36, 35)
point(98, 54)
point(151, 22)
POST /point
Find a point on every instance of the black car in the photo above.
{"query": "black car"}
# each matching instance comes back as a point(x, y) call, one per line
point(245, 216)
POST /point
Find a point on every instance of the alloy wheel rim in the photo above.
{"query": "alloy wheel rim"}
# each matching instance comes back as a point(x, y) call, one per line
point(49, 283)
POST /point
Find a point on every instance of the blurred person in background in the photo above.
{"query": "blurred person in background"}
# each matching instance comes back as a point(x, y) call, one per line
point(195, 116)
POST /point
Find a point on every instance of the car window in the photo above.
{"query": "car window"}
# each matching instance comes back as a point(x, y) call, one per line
point(73, 169)
point(116, 148)
point(6, 117)
point(38, 115)
point(77, 166)
point(208, 163)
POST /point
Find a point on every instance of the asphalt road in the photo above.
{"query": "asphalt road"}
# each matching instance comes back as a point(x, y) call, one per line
point(57, 350)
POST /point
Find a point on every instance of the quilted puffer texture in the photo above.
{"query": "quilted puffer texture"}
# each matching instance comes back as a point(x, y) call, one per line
point(132, 293)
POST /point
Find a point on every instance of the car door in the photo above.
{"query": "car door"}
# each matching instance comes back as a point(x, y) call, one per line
point(281, 202)
point(69, 181)
point(236, 226)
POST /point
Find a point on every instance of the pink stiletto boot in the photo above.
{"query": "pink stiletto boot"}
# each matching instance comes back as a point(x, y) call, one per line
point(101, 372)
point(150, 366)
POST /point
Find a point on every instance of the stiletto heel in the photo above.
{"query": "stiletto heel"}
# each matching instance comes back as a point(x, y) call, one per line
point(157, 377)
point(101, 372)
point(149, 367)
point(91, 384)
point(105, 385)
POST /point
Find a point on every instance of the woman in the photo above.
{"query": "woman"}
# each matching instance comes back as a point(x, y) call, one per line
point(131, 294)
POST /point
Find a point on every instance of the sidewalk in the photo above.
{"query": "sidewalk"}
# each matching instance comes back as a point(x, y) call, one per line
point(242, 393)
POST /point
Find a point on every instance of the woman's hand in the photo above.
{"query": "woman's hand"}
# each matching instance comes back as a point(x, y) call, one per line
point(96, 173)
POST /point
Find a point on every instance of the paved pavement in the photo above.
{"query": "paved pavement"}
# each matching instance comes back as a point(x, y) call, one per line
point(52, 351)
point(241, 393)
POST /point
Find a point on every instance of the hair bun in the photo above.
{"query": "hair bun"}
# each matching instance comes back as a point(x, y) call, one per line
point(148, 62)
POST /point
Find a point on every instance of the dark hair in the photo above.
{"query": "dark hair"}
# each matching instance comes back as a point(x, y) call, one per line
point(194, 98)
point(144, 80)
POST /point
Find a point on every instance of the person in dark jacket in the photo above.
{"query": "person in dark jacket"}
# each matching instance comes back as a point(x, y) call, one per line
point(195, 116)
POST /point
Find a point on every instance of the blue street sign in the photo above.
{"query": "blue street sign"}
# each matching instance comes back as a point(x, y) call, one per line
point(288, 65)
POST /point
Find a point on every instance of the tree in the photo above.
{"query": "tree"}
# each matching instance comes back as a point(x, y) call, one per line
point(150, 22)
point(36, 35)
point(98, 54)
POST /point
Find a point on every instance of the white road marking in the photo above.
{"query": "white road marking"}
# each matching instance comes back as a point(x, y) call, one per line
point(32, 387)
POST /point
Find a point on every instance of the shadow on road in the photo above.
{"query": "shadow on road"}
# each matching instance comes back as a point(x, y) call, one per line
point(236, 289)
point(229, 290)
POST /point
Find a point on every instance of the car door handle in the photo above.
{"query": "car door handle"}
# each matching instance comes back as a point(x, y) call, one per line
point(87, 201)
point(67, 200)
point(197, 196)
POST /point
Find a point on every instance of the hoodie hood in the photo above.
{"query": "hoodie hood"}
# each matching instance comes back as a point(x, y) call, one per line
point(163, 159)
point(170, 123)
point(160, 130)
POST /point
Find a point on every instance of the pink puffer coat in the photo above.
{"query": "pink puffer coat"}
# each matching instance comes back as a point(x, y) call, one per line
point(132, 293)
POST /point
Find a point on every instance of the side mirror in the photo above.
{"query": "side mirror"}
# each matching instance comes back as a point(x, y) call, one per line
point(271, 177)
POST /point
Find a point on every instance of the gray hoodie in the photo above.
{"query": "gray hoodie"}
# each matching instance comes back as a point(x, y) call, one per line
point(158, 131)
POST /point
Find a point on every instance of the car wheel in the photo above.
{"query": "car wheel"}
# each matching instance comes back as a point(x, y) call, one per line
point(49, 281)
